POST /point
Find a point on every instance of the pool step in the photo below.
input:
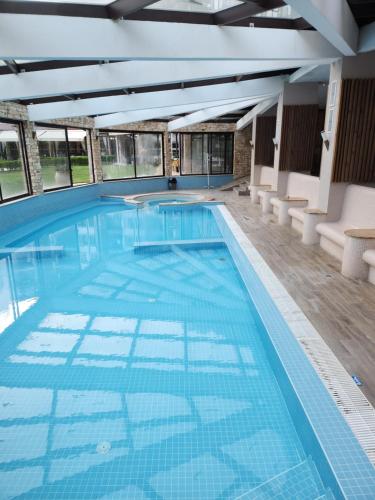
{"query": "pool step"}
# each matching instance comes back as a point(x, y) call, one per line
point(230, 185)
point(301, 481)
point(242, 190)
point(328, 495)
point(166, 245)
point(27, 251)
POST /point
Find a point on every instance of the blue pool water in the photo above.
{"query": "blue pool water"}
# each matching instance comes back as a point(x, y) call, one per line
point(138, 373)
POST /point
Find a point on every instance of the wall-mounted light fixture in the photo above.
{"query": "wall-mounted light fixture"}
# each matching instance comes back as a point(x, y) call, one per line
point(275, 141)
point(326, 136)
point(251, 144)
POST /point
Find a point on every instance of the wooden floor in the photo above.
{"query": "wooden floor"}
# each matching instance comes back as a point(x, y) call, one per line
point(342, 310)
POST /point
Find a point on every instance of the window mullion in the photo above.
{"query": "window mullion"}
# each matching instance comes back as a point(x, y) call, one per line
point(25, 160)
point(134, 157)
point(69, 160)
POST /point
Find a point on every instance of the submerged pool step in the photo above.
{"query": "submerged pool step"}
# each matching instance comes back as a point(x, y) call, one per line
point(328, 495)
point(25, 251)
point(188, 244)
point(301, 481)
point(188, 204)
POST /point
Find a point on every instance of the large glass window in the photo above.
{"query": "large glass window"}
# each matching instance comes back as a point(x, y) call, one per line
point(117, 154)
point(13, 176)
point(128, 155)
point(54, 157)
point(64, 156)
point(148, 155)
point(206, 153)
point(80, 157)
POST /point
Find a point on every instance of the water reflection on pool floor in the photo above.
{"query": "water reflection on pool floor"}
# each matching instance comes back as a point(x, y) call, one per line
point(134, 374)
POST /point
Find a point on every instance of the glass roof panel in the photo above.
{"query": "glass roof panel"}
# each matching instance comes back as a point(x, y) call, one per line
point(88, 2)
point(22, 61)
point(285, 12)
point(25, 61)
point(208, 6)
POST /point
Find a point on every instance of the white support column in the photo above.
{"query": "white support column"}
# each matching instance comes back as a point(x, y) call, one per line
point(330, 128)
point(251, 117)
point(253, 179)
point(254, 170)
point(278, 184)
point(276, 161)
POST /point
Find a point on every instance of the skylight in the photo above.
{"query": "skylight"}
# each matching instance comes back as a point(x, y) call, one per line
point(208, 6)
point(285, 12)
point(87, 2)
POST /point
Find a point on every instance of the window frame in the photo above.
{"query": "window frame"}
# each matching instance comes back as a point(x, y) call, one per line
point(210, 134)
point(25, 161)
point(89, 146)
point(133, 132)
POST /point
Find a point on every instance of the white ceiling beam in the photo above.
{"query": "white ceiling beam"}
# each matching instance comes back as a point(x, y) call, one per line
point(160, 99)
point(259, 109)
point(301, 72)
point(367, 38)
point(333, 19)
point(208, 114)
point(129, 74)
point(61, 37)
point(263, 106)
point(124, 118)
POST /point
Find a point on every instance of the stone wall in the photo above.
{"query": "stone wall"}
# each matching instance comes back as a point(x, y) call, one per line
point(242, 152)
point(14, 111)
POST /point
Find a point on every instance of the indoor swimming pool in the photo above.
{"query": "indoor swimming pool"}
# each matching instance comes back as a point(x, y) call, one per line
point(133, 370)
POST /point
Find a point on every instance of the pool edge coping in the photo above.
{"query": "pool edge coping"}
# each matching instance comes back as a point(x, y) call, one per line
point(351, 403)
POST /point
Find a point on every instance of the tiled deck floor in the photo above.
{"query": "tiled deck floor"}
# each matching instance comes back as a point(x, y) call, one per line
point(342, 310)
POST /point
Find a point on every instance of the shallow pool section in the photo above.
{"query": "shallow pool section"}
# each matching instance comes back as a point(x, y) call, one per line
point(140, 372)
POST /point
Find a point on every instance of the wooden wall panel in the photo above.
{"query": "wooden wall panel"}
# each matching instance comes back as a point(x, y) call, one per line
point(354, 158)
point(264, 148)
point(298, 137)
